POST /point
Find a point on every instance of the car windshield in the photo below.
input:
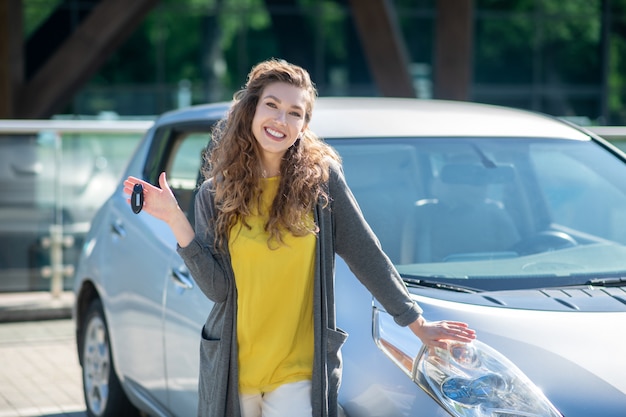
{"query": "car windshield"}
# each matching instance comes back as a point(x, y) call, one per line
point(492, 213)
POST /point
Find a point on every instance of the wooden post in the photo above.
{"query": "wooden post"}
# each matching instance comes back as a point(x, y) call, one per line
point(454, 39)
point(11, 56)
point(384, 47)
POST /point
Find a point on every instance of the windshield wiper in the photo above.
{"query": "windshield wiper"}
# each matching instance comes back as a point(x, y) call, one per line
point(420, 282)
point(607, 282)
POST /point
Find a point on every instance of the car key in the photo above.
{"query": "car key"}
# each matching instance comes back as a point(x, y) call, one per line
point(136, 199)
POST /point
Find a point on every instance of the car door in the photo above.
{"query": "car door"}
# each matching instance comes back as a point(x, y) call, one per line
point(185, 307)
point(139, 251)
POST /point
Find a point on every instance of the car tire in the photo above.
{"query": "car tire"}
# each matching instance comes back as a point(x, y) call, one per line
point(103, 392)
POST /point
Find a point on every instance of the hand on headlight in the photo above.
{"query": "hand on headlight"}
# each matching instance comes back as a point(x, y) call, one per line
point(438, 333)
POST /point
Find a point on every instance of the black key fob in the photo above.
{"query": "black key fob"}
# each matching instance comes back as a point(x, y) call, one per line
point(136, 198)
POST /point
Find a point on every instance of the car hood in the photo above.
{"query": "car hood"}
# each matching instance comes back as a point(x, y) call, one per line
point(568, 341)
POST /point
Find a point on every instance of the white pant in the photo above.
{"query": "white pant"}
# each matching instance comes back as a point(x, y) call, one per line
point(293, 400)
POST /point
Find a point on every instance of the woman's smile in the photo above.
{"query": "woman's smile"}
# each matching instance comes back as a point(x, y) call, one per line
point(278, 121)
point(274, 133)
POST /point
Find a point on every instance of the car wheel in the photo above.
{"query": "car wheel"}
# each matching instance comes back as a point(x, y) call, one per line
point(104, 396)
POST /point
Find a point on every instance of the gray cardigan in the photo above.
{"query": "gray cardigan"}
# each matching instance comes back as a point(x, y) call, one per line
point(343, 231)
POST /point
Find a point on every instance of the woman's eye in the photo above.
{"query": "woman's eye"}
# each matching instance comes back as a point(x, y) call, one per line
point(295, 114)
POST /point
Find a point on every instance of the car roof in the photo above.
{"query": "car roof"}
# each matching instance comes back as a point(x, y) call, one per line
point(343, 117)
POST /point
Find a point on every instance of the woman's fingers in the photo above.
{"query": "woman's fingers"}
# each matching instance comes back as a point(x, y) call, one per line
point(159, 202)
point(438, 333)
point(457, 331)
point(130, 182)
point(163, 182)
point(150, 192)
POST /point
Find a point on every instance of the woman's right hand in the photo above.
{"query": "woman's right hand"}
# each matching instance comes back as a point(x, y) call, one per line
point(158, 202)
point(162, 204)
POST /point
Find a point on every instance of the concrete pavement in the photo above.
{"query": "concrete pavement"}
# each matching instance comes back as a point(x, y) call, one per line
point(39, 371)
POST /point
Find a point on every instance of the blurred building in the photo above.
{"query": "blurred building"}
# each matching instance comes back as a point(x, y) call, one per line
point(148, 56)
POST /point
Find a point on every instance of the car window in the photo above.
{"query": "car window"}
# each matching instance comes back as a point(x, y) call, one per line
point(433, 183)
point(475, 208)
point(581, 191)
point(177, 150)
point(183, 167)
point(186, 160)
point(386, 181)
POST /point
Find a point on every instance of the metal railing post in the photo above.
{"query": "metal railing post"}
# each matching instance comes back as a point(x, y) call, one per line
point(57, 271)
point(56, 242)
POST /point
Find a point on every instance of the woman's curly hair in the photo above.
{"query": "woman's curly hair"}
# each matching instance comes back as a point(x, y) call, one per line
point(233, 161)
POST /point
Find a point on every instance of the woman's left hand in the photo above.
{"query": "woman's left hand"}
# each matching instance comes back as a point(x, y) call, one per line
point(438, 333)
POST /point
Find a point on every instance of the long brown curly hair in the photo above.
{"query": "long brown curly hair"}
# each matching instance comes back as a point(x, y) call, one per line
point(233, 161)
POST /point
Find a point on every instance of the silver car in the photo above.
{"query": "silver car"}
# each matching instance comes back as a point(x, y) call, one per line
point(510, 221)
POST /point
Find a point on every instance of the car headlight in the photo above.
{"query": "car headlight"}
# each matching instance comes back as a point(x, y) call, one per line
point(468, 380)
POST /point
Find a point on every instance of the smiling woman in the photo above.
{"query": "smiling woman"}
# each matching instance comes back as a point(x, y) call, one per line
point(263, 247)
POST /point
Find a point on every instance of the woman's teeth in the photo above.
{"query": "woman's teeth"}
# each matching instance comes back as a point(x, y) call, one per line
point(274, 133)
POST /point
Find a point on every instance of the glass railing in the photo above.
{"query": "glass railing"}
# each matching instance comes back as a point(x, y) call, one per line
point(54, 176)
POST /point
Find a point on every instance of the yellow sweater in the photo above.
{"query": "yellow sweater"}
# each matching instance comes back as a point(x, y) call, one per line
point(274, 302)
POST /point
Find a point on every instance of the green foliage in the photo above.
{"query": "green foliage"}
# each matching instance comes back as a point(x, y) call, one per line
point(533, 41)
point(242, 16)
point(36, 12)
point(329, 18)
point(543, 51)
